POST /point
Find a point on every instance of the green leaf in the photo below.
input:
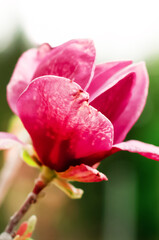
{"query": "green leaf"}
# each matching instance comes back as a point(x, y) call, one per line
point(31, 223)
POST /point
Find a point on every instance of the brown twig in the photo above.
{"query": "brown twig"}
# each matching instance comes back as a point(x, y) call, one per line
point(44, 179)
point(31, 199)
point(14, 220)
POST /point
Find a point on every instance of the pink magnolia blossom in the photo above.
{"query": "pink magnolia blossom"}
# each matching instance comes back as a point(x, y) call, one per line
point(76, 112)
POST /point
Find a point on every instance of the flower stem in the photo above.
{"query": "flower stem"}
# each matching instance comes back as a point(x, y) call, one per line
point(44, 179)
point(14, 220)
point(31, 199)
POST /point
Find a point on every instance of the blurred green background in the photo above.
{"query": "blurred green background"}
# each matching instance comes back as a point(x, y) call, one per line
point(124, 208)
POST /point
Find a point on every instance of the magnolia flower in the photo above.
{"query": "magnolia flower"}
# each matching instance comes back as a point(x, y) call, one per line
point(76, 112)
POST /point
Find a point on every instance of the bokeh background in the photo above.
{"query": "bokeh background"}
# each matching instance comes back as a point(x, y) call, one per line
point(127, 206)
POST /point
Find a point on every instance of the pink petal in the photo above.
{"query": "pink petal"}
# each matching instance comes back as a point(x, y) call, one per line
point(144, 149)
point(83, 173)
point(103, 73)
point(62, 125)
point(123, 100)
point(23, 73)
point(73, 60)
point(8, 140)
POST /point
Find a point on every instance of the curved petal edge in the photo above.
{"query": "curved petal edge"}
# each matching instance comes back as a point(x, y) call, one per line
point(8, 140)
point(83, 173)
point(123, 98)
point(144, 149)
point(23, 73)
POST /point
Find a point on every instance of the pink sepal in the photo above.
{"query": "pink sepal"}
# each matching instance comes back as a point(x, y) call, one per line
point(83, 173)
